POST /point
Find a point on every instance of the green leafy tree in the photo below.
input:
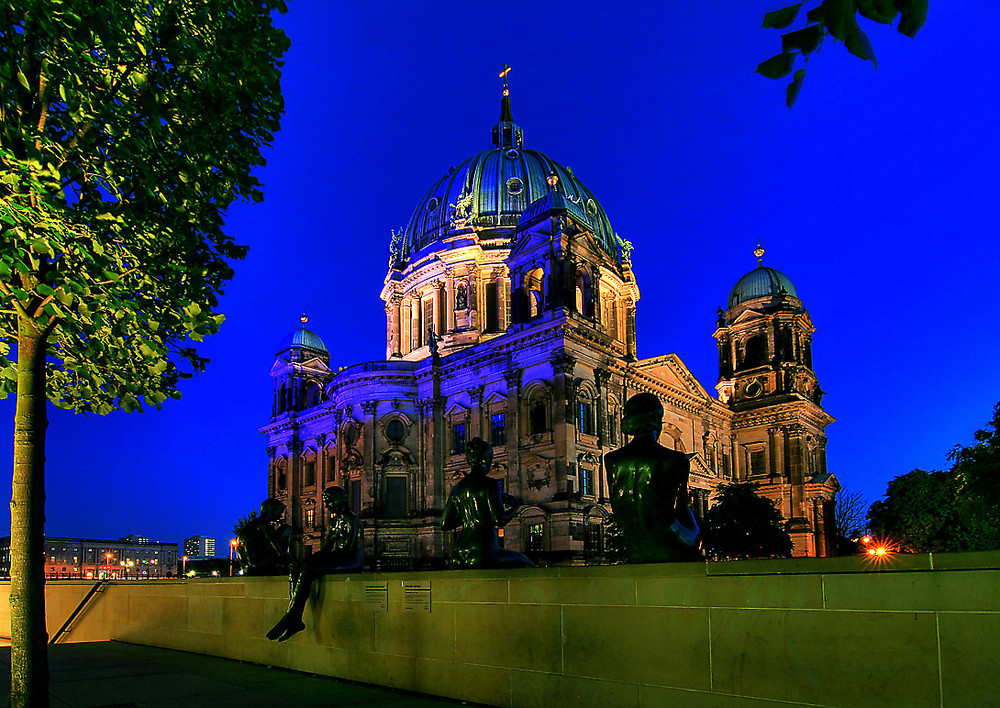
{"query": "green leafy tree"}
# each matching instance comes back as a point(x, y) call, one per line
point(837, 19)
point(743, 524)
point(126, 130)
point(953, 510)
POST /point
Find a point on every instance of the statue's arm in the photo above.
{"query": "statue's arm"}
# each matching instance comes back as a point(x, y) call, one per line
point(449, 517)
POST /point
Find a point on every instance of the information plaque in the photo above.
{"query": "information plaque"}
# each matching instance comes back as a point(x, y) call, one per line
point(417, 595)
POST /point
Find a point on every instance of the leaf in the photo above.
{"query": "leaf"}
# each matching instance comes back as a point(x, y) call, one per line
point(779, 19)
point(858, 45)
point(792, 92)
point(840, 18)
point(913, 15)
point(804, 40)
point(777, 66)
point(882, 11)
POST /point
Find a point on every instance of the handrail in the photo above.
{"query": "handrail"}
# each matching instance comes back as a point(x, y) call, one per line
point(79, 609)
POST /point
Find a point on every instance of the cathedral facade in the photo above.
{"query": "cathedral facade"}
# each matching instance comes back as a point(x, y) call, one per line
point(510, 316)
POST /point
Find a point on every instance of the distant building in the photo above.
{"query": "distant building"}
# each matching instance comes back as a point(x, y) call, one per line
point(510, 308)
point(199, 547)
point(95, 559)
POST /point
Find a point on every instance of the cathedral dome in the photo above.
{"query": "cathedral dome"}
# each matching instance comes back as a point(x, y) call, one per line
point(302, 338)
point(761, 282)
point(491, 190)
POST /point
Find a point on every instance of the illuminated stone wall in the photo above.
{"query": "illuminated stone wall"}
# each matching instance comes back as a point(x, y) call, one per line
point(924, 631)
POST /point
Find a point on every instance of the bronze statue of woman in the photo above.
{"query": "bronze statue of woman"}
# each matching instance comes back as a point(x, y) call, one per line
point(341, 551)
point(476, 505)
point(649, 489)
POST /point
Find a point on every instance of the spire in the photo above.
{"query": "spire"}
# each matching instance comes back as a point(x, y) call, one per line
point(506, 133)
point(759, 252)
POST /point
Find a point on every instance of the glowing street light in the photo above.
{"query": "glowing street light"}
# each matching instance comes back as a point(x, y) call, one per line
point(232, 549)
point(184, 565)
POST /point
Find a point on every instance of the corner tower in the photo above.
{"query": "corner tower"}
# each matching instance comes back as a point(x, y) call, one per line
point(766, 378)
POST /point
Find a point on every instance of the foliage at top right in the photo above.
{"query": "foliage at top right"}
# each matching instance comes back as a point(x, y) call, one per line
point(839, 19)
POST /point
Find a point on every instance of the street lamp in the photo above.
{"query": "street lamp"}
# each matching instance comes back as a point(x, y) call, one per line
point(184, 565)
point(232, 549)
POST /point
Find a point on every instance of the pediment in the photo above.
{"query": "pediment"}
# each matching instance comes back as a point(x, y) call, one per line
point(673, 372)
point(748, 316)
point(698, 466)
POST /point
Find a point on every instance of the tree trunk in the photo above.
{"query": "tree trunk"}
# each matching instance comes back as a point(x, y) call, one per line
point(29, 670)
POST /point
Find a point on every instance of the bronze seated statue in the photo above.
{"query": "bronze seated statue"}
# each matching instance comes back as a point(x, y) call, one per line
point(342, 550)
point(476, 507)
point(263, 544)
point(649, 489)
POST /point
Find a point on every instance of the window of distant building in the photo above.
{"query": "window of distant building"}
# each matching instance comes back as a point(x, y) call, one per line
point(458, 439)
point(498, 430)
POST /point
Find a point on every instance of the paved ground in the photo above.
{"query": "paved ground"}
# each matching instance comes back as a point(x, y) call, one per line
point(118, 675)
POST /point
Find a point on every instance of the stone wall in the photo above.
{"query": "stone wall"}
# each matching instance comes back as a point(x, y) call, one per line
point(921, 630)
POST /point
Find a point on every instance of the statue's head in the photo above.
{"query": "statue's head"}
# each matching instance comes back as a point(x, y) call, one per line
point(271, 510)
point(335, 499)
point(643, 414)
point(479, 453)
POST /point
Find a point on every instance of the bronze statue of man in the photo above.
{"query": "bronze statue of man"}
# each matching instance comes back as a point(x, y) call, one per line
point(649, 489)
point(341, 551)
point(264, 543)
point(477, 506)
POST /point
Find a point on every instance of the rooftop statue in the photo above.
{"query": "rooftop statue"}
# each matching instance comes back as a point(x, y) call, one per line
point(264, 543)
point(476, 506)
point(649, 489)
point(341, 551)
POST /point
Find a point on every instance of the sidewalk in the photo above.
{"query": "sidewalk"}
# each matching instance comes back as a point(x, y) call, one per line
point(118, 675)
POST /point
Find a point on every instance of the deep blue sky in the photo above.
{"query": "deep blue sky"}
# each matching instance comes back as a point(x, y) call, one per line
point(876, 195)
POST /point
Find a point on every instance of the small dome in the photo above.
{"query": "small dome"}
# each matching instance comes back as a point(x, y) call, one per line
point(760, 282)
point(302, 338)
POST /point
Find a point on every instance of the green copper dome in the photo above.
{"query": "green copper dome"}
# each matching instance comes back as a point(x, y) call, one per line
point(760, 282)
point(492, 189)
point(302, 338)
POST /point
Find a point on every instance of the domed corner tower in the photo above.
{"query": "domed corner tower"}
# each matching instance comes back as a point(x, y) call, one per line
point(766, 378)
point(300, 372)
point(448, 268)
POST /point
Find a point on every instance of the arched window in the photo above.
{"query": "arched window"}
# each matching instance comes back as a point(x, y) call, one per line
point(313, 393)
point(281, 478)
point(756, 352)
point(534, 285)
point(538, 414)
point(309, 468)
point(279, 403)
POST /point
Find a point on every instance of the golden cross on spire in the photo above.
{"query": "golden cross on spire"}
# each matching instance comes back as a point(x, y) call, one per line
point(759, 252)
point(503, 75)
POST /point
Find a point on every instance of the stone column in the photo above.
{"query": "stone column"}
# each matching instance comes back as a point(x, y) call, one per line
point(294, 481)
point(601, 378)
point(272, 482)
point(563, 367)
point(595, 295)
point(512, 426)
point(476, 427)
point(449, 298)
point(774, 452)
point(370, 424)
